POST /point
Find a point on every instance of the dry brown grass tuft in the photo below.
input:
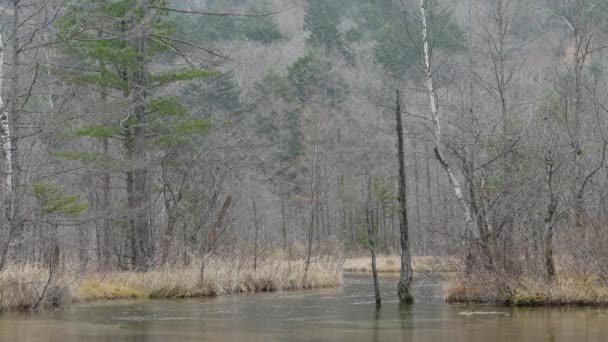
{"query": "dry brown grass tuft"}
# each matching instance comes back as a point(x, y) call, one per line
point(91, 289)
point(21, 288)
point(571, 290)
point(221, 278)
point(392, 264)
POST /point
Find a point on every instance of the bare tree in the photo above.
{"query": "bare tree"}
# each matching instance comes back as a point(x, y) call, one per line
point(7, 169)
point(372, 236)
point(405, 279)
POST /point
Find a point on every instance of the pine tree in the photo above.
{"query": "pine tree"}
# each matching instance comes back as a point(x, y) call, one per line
point(119, 42)
point(321, 21)
point(276, 109)
point(54, 203)
point(214, 96)
point(263, 30)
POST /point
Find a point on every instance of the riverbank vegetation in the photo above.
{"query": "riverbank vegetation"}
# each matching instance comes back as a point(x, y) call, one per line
point(391, 264)
point(579, 278)
point(572, 290)
point(27, 288)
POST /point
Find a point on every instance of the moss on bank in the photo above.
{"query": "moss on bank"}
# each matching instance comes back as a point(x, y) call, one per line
point(571, 290)
point(21, 288)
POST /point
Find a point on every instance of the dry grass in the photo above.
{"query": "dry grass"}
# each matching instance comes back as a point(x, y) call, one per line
point(571, 290)
point(20, 289)
point(91, 289)
point(220, 279)
point(392, 264)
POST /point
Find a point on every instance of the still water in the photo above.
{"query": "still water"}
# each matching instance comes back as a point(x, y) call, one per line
point(345, 314)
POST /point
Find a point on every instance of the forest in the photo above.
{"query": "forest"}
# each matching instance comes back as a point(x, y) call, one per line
point(197, 148)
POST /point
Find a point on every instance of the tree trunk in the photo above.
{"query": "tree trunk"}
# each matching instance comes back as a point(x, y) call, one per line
point(486, 238)
point(106, 230)
point(550, 219)
point(141, 198)
point(372, 234)
point(549, 262)
point(313, 209)
point(405, 280)
point(55, 251)
point(393, 233)
point(207, 245)
point(13, 109)
point(83, 255)
point(507, 163)
point(384, 227)
point(255, 237)
point(7, 169)
point(437, 131)
point(435, 117)
point(416, 190)
point(579, 66)
point(131, 239)
point(548, 240)
point(343, 210)
point(429, 195)
point(283, 220)
point(169, 235)
point(9, 135)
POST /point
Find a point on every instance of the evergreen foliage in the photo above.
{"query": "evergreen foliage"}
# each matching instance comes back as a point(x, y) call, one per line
point(321, 22)
point(52, 199)
point(263, 29)
point(277, 107)
point(214, 96)
point(86, 157)
point(398, 41)
point(104, 50)
point(313, 76)
point(372, 15)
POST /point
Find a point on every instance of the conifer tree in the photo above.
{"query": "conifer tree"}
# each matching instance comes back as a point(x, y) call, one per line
point(321, 21)
point(276, 106)
point(120, 44)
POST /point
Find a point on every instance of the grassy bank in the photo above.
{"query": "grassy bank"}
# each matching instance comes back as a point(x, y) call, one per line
point(392, 264)
point(571, 290)
point(21, 288)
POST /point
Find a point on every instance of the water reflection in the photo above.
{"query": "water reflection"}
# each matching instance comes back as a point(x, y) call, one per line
point(377, 318)
point(346, 314)
point(405, 316)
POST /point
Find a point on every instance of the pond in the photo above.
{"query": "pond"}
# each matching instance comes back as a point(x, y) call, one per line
point(344, 314)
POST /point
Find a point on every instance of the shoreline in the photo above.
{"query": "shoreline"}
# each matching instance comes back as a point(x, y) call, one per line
point(29, 288)
point(488, 289)
point(391, 264)
point(571, 291)
point(21, 288)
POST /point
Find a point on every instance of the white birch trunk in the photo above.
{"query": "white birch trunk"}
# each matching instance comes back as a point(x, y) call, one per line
point(5, 136)
point(6, 172)
point(435, 117)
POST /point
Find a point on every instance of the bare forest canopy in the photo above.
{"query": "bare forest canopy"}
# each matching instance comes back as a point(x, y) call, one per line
point(138, 133)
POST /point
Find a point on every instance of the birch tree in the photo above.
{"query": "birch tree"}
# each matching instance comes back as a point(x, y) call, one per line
point(7, 169)
point(437, 130)
point(435, 116)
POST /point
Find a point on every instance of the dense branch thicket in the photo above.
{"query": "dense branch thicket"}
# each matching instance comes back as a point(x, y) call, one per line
point(142, 133)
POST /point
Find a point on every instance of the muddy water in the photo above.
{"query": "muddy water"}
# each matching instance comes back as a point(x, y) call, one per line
point(345, 314)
